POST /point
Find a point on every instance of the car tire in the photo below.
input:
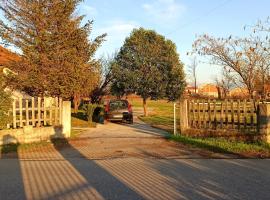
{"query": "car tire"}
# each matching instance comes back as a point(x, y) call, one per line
point(130, 121)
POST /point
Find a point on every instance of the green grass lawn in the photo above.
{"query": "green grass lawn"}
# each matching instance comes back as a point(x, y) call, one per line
point(160, 113)
point(219, 145)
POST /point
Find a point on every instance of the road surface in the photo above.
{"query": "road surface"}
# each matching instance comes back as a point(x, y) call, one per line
point(118, 161)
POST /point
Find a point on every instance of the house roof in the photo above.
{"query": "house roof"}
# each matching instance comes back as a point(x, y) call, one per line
point(208, 88)
point(6, 56)
point(190, 88)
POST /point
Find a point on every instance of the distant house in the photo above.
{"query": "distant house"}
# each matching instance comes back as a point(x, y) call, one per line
point(209, 90)
point(191, 90)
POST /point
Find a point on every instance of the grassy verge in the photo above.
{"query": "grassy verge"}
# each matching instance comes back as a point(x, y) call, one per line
point(79, 120)
point(13, 148)
point(161, 116)
point(219, 145)
point(75, 133)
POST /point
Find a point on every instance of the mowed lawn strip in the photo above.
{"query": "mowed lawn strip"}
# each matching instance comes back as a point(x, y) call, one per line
point(160, 113)
point(161, 116)
point(220, 145)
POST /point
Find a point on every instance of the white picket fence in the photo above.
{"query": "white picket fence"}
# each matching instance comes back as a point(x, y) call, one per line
point(36, 112)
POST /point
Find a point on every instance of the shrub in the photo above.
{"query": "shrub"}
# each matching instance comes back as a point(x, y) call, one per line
point(94, 113)
point(98, 115)
point(89, 110)
point(5, 106)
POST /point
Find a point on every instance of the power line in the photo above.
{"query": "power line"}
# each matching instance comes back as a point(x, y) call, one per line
point(200, 18)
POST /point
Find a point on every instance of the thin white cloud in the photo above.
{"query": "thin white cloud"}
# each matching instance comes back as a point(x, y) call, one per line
point(164, 11)
point(89, 10)
point(117, 31)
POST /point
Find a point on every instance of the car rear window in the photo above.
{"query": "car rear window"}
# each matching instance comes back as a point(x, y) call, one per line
point(115, 105)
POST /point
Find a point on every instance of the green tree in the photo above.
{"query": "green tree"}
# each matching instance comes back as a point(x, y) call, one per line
point(5, 105)
point(105, 79)
point(57, 56)
point(148, 65)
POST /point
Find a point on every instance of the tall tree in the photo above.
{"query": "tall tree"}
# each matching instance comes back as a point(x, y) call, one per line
point(262, 31)
point(192, 69)
point(57, 56)
point(105, 79)
point(225, 83)
point(247, 58)
point(242, 56)
point(148, 65)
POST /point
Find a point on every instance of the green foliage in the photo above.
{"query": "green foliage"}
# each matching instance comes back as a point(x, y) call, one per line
point(5, 106)
point(94, 113)
point(89, 110)
point(148, 65)
point(98, 115)
point(57, 54)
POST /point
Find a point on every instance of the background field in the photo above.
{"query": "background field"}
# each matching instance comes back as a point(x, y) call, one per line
point(160, 113)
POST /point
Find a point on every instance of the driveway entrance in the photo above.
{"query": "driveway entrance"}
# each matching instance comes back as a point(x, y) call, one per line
point(116, 161)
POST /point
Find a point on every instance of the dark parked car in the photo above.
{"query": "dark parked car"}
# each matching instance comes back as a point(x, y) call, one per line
point(118, 110)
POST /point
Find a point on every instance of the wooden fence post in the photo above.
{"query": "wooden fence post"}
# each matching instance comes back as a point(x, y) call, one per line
point(183, 115)
point(264, 121)
point(66, 118)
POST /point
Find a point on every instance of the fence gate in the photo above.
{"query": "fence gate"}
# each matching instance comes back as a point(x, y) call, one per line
point(36, 112)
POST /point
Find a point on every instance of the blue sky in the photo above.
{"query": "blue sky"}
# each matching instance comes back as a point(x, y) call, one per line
point(178, 20)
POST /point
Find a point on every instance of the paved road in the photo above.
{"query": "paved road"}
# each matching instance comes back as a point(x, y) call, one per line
point(116, 161)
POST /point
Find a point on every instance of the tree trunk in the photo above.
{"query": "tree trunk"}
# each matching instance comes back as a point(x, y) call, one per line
point(195, 85)
point(76, 101)
point(219, 93)
point(145, 107)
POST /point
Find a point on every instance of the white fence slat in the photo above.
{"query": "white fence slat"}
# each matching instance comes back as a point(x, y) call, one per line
point(47, 111)
point(21, 113)
point(33, 111)
point(27, 112)
point(14, 114)
point(39, 112)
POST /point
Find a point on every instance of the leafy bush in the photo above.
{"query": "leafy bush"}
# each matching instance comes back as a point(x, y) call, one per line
point(89, 110)
point(98, 115)
point(5, 106)
point(94, 113)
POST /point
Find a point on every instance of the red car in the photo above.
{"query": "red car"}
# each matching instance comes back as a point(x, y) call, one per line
point(119, 110)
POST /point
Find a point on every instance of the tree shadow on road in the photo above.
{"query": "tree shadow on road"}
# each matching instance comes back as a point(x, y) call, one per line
point(216, 179)
point(11, 179)
point(107, 185)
